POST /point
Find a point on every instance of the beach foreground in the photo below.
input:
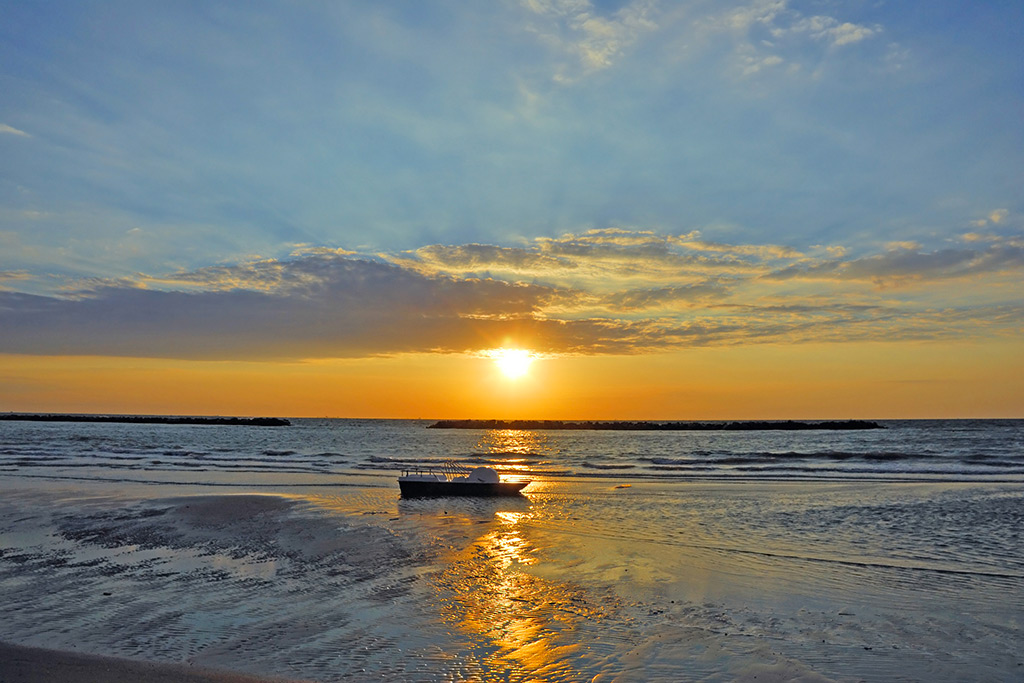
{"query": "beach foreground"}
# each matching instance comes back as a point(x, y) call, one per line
point(38, 665)
point(576, 581)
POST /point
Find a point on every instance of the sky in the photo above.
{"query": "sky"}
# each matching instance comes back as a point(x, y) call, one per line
point(678, 210)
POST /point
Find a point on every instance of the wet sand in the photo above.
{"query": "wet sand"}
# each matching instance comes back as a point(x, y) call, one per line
point(573, 582)
point(38, 665)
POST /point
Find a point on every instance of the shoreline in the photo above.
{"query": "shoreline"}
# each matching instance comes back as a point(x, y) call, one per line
point(25, 664)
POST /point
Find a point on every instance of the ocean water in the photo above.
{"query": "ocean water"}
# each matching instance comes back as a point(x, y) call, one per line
point(891, 554)
point(361, 450)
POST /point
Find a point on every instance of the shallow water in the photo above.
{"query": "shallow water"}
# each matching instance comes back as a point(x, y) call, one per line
point(297, 558)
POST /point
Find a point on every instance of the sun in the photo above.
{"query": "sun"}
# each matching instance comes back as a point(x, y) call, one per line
point(513, 363)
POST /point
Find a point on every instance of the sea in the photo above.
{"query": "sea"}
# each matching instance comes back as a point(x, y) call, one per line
point(882, 554)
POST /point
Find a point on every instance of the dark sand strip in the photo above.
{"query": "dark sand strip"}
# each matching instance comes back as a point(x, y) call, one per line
point(20, 664)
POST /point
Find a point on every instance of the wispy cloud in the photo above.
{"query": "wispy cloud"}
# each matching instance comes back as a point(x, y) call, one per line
point(604, 258)
point(993, 218)
point(771, 33)
point(830, 30)
point(591, 40)
point(10, 130)
point(667, 298)
point(906, 263)
point(13, 276)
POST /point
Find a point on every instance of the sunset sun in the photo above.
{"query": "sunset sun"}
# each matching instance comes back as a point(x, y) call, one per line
point(513, 363)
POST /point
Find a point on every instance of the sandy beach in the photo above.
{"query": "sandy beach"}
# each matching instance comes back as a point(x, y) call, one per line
point(356, 584)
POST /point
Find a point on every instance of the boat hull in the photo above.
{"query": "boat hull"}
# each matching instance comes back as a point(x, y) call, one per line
point(441, 489)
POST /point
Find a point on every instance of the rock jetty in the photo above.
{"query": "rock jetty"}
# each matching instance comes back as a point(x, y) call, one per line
point(151, 419)
point(747, 425)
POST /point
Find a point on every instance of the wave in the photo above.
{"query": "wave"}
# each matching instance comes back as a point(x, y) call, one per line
point(505, 458)
point(386, 459)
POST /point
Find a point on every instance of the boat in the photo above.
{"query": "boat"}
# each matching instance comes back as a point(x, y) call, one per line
point(452, 479)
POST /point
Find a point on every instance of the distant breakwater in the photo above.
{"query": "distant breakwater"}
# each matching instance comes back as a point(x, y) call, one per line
point(752, 425)
point(152, 419)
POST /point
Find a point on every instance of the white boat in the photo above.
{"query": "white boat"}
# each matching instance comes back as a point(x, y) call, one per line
point(456, 480)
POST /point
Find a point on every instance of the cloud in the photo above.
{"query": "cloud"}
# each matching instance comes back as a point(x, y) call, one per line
point(601, 259)
point(601, 291)
point(907, 245)
point(758, 12)
point(672, 298)
point(481, 258)
point(313, 306)
point(993, 218)
point(8, 130)
point(998, 216)
point(831, 30)
point(979, 237)
point(1010, 240)
point(595, 42)
point(755, 63)
point(13, 276)
point(781, 21)
point(762, 251)
point(907, 263)
point(833, 251)
point(769, 33)
point(644, 254)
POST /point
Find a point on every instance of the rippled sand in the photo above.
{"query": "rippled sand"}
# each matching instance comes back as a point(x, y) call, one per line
point(575, 582)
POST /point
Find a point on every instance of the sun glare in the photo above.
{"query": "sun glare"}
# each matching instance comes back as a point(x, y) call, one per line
point(513, 363)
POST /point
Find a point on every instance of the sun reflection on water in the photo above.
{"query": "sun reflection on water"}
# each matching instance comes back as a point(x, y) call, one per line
point(516, 622)
point(508, 543)
point(515, 451)
point(514, 442)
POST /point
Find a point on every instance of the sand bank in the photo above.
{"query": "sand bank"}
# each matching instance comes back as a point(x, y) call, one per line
point(37, 665)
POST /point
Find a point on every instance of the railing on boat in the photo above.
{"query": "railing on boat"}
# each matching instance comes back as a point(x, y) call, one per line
point(449, 468)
